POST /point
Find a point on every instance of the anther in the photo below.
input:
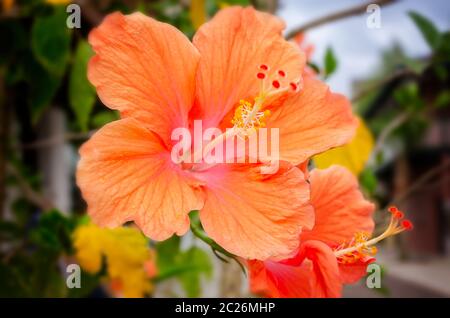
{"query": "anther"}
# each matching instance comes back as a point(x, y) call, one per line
point(282, 73)
point(261, 75)
point(264, 67)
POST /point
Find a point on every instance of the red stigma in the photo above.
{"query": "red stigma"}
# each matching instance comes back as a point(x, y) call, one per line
point(393, 209)
point(276, 84)
point(282, 73)
point(261, 75)
point(264, 67)
point(293, 86)
point(398, 215)
point(407, 225)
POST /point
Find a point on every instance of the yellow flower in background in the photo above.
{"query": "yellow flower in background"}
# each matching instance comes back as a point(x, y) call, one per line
point(56, 2)
point(353, 155)
point(127, 256)
point(198, 13)
point(89, 241)
point(7, 5)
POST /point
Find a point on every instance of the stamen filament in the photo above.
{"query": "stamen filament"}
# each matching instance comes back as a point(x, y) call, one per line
point(394, 228)
point(248, 117)
point(210, 145)
point(221, 138)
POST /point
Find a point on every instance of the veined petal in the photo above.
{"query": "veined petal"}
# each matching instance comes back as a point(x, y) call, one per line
point(276, 280)
point(304, 168)
point(145, 69)
point(313, 272)
point(340, 208)
point(233, 45)
point(254, 215)
point(353, 155)
point(351, 273)
point(312, 121)
point(125, 174)
point(326, 281)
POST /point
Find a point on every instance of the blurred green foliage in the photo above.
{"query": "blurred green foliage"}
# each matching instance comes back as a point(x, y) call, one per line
point(403, 98)
point(330, 62)
point(82, 95)
point(44, 63)
point(429, 31)
point(188, 266)
point(32, 265)
point(50, 41)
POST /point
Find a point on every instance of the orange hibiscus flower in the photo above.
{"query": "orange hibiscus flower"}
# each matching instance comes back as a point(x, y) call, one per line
point(237, 70)
point(336, 251)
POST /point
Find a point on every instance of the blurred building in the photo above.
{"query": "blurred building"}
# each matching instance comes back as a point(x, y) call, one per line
point(414, 173)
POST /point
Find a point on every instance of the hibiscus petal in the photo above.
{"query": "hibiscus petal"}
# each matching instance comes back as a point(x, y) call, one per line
point(276, 280)
point(351, 273)
point(145, 69)
point(304, 168)
point(313, 272)
point(232, 46)
point(125, 174)
point(254, 215)
point(326, 280)
point(312, 121)
point(341, 210)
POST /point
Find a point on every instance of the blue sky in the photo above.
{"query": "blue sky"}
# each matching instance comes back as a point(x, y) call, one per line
point(356, 46)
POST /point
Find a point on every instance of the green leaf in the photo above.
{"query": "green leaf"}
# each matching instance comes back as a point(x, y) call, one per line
point(102, 118)
point(53, 232)
point(81, 93)
point(187, 266)
point(43, 87)
point(443, 99)
point(167, 251)
point(330, 62)
point(191, 280)
point(368, 181)
point(82, 220)
point(444, 47)
point(408, 96)
point(427, 28)
point(50, 41)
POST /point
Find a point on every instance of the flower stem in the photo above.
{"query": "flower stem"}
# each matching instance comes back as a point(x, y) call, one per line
point(216, 248)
